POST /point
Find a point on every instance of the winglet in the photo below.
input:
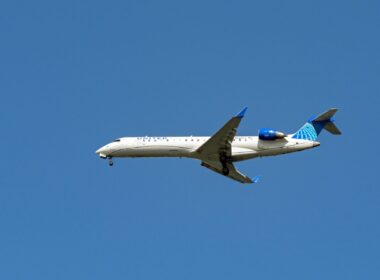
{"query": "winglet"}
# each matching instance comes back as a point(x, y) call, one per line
point(256, 179)
point(242, 113)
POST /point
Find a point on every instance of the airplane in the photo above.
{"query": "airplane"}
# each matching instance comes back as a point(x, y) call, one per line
point(220, 151)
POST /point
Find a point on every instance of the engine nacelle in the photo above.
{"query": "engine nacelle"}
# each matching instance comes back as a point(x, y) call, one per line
point(269, 134)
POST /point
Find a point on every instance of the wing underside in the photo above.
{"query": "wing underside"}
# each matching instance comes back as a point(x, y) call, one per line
point(220, 142)
point(216, 152)
point(233, 173)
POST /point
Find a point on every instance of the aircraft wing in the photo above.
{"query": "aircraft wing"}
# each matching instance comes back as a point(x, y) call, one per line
point(234, 174)
point(220, 142)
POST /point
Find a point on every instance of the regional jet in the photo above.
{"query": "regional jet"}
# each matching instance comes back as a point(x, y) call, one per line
point(220, 151)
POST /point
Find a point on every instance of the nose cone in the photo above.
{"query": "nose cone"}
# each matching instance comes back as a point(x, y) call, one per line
point(98, 151)
point(102, 152)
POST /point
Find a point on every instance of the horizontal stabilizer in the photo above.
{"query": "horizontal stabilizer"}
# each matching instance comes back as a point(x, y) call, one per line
point(331, 127)
point(326, 116)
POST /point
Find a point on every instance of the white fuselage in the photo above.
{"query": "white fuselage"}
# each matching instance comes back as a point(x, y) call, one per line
point(243, 147)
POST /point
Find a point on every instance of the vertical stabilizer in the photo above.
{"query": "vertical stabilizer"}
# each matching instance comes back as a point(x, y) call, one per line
point(314, 126)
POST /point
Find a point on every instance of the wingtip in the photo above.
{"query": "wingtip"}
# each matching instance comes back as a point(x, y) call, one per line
point(256, 179)
point(242, 112)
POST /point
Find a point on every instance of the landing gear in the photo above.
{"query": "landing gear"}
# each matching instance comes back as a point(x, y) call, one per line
point(225, 170)
point(223, 159)
point(110, 162)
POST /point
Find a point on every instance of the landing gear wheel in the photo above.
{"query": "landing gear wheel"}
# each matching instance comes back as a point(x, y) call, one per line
point(223, 158)
point(225, 171)
point(110, 162)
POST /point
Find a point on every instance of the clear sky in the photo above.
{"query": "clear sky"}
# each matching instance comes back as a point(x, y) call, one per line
point(75, 75)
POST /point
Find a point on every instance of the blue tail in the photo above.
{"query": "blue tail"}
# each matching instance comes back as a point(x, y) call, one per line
point(314, 126)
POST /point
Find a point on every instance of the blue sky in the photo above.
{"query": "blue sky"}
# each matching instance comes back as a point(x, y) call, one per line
point(77, 74)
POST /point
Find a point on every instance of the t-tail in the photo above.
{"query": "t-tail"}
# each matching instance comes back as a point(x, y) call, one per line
point(314, 126)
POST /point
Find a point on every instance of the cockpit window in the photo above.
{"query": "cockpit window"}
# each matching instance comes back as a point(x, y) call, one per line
point(117, 140)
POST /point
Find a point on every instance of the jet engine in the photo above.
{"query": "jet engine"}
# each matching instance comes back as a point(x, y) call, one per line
point(269, 134)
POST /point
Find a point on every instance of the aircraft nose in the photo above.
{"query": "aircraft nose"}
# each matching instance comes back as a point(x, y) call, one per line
point(102, 152)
